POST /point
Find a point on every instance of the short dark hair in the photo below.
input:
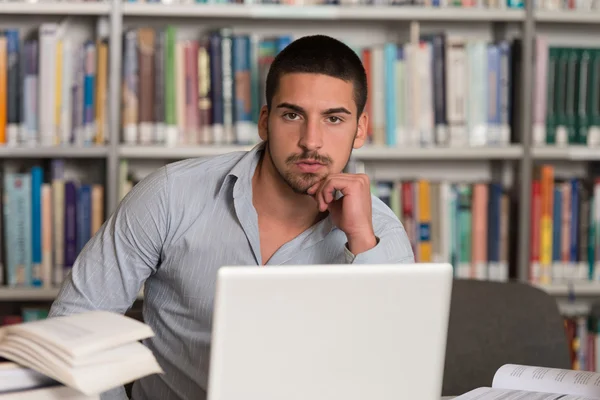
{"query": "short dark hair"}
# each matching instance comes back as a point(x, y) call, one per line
point(319, 54)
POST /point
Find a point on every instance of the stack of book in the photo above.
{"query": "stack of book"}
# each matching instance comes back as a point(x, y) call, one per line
point(76, 357)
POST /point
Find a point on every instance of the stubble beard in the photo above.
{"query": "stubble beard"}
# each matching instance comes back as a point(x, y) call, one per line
point(301, 182)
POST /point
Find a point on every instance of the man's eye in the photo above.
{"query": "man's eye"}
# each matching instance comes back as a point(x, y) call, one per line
point(334, 120)
point(291, 116)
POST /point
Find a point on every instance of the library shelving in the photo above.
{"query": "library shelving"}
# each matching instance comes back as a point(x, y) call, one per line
point(320, 12)
point(511, 162)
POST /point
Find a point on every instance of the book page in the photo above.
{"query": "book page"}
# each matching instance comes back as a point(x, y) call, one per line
point(506, 394)
point(82, 334)
point(548, 380)
point(14, 377)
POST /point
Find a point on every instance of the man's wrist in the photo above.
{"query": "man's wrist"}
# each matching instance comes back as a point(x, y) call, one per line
point(362, 243)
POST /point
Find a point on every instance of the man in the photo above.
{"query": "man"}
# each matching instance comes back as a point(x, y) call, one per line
point(273, 205)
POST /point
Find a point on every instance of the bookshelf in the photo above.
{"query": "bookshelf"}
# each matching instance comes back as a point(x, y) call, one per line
point(513, 162)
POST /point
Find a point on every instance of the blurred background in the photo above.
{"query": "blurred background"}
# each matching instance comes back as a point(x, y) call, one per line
point(484, 133)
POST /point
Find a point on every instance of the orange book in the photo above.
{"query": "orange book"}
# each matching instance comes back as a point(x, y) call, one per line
point(536, 217)
point(97, 208)
point(366, 59)
point(3, 88)
point(479, 231)
point(424, 221)
point(547, 191)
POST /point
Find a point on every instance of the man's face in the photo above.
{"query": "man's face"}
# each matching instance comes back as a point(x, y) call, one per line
point(312, 128)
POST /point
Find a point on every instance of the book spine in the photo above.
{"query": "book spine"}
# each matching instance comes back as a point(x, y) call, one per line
point(3, 86)
point(70, 224)
point(146, 42)
point(90, 76)
point(47, 79)
point(389, 54)
point(424, 221)
point(479, 232)
point(37, 179)
point(84, 215)
point(228, 85)
point(216, 79)
point(46, 228)
point(170, 87)
point(130, 88)
point(244, 127)
point(159, 88)
point(13, 100)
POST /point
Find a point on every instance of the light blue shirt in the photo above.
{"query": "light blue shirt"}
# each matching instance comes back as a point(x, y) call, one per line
point(171, 233)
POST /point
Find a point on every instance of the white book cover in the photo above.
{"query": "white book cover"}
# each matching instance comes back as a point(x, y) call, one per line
point(456, 90)
point(66, 112)
point(426, 115)
point(378, 105)
point(48, 33)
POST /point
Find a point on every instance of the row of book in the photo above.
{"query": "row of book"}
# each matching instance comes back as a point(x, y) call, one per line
point(466, 224)
point(554, 5)
point(565, 218)
point(47, 218)
point(567, 94)
point(53, 86)
point(492, 4)
point(437, 90)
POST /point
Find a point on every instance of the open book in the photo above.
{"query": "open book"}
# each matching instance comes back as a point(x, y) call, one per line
point(90, 352)
point(512, 382)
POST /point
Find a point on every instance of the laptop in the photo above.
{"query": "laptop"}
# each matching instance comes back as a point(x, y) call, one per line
point(330, 332)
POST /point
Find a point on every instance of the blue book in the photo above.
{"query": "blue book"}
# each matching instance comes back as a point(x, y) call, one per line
point(17, 217)
point(84, 216)
point(37, 179)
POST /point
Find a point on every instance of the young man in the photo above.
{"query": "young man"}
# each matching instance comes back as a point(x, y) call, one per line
point(273, 205)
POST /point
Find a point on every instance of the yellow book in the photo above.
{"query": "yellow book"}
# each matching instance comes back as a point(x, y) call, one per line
point(546, 224)
point(3, 88)
point(424, 247)
point(58, 91)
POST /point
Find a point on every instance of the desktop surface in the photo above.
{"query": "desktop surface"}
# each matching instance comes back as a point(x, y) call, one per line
point(321, 332)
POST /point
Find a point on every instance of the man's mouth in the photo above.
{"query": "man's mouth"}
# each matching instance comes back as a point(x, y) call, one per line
point(309, 165)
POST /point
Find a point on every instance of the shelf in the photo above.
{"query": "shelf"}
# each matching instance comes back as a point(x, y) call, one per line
point(573, 153)
point(56, 8)
point(585, 289)
point(365, 153)
point(577, 17)
point(167, 153)
point(28, 294)
point(375, 13)
point(34, 294)
point(440, 153)
point(53, 152)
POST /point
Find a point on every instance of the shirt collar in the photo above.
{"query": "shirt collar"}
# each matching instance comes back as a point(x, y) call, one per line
point(243, 171)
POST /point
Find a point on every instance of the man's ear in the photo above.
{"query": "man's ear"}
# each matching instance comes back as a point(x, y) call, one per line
point(361, 131)
point(263, 123)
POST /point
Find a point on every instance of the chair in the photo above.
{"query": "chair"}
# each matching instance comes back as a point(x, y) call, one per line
point(494, 323)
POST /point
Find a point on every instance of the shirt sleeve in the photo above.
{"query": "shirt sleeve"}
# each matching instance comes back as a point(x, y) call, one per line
point(112, 267)
point(393, 245)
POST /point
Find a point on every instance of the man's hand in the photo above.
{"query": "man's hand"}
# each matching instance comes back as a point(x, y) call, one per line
point(352, 213)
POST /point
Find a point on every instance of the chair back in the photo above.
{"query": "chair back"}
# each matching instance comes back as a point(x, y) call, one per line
point(495, 323)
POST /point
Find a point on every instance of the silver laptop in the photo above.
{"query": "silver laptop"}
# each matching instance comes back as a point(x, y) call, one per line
point(330, 332)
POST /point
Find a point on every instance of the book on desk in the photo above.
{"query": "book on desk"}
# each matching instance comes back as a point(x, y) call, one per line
point(521, 382)
point(75, 357)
